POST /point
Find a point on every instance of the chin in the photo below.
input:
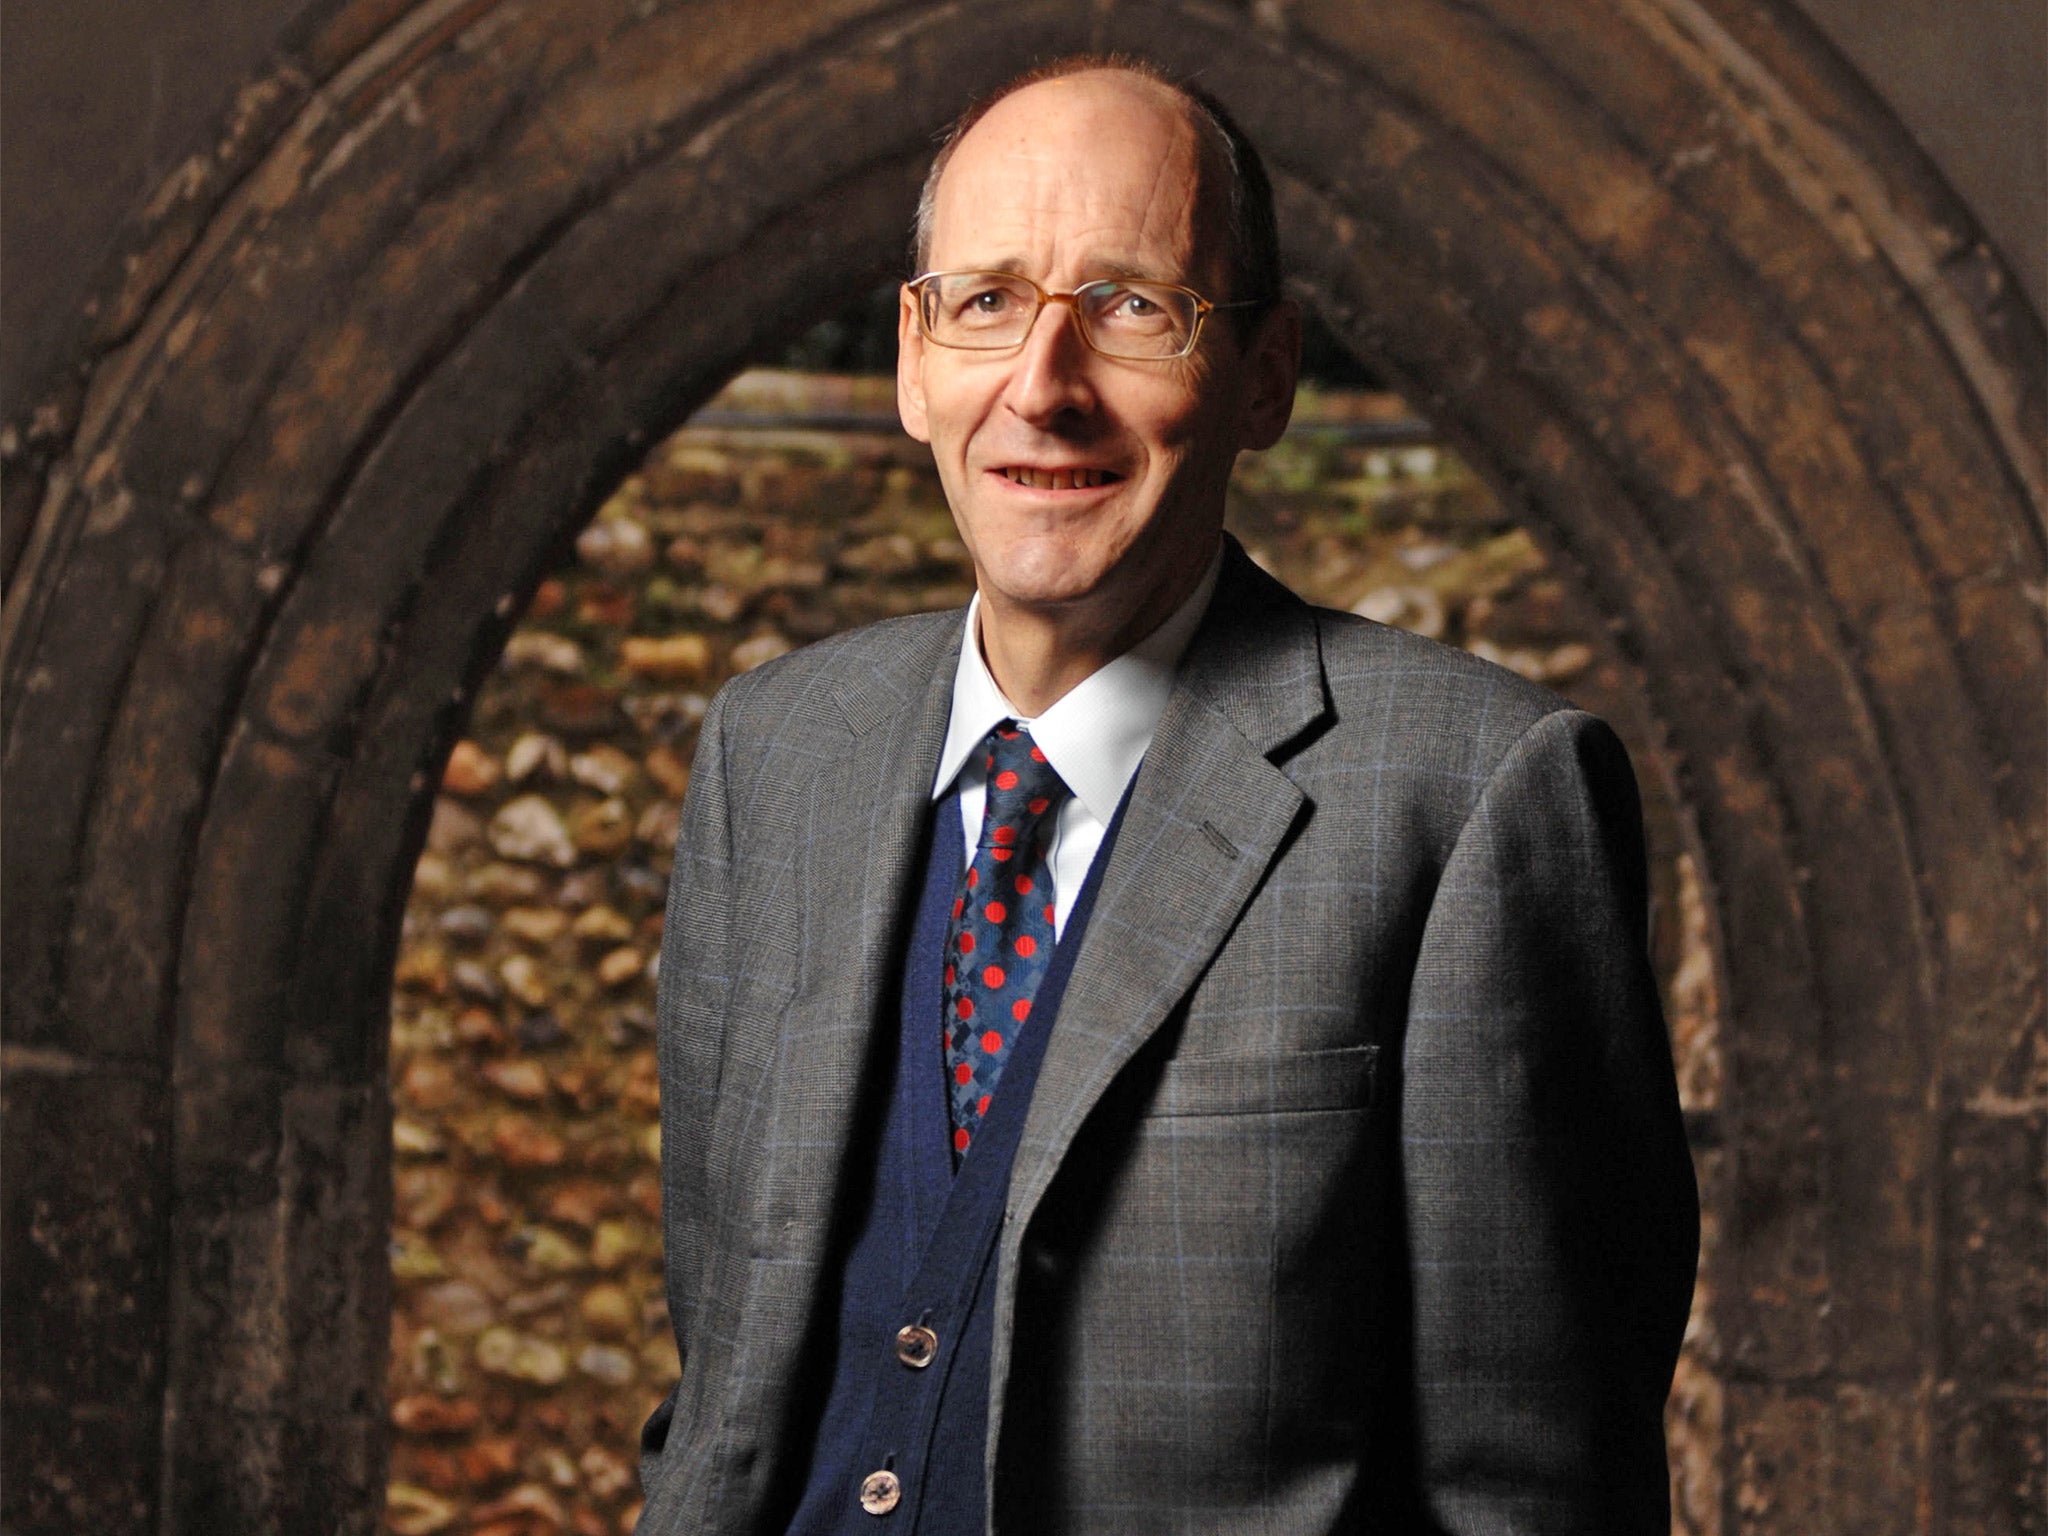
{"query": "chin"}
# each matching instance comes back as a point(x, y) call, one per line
point(1044, 577)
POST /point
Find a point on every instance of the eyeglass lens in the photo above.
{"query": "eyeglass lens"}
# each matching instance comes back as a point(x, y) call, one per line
point(1122, 318)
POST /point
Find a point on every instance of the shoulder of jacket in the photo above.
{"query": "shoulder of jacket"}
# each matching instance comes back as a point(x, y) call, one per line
point(897, 652)
point(1373, 666)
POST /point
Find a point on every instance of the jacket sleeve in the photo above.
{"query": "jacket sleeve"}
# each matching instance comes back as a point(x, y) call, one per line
point(1552, 1217)
point(690, 1011)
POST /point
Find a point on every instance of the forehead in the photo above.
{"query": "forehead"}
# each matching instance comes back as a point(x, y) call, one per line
point(1083, 175)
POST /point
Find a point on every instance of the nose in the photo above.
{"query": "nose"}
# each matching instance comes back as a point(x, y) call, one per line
point(1052, 378)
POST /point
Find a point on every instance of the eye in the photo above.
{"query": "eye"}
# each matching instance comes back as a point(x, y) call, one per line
point(1132, 309)
point(990, 300)
point(982, 299)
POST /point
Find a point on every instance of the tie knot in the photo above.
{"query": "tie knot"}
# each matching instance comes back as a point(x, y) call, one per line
point(1022, 786)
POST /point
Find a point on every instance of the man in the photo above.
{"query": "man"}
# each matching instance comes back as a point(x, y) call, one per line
point(1146, 1054)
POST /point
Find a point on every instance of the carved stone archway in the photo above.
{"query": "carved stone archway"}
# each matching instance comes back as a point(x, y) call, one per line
point(1661, 267)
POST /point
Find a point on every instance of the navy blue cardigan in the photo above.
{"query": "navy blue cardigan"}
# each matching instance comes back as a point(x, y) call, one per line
point(924, 1251)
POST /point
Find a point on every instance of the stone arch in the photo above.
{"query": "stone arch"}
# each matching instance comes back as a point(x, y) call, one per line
point(1662, 268)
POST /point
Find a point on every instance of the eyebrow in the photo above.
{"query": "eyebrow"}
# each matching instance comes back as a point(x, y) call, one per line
point(1116, 269)
point(1126, 270)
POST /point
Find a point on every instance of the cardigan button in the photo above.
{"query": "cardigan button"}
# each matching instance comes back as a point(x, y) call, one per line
point(916, 1345)
point(880, 1492)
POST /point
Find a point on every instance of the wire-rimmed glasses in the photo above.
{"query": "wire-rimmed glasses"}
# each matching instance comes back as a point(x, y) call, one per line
point(1136, 319)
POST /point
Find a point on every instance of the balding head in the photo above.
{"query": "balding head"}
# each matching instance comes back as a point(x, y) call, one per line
point(1236, 199)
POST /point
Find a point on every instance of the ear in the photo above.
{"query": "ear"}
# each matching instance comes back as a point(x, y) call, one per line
point(1274, 364)
point(910, 367)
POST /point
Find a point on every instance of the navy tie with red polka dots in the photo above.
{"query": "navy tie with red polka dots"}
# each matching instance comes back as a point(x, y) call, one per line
point(1000, 938)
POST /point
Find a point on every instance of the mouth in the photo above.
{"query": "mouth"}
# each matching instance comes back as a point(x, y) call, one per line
point(1069, 478)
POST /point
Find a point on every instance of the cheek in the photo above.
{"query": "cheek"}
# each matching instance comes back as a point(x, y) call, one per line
point(1182, 446)
point(1187, 412)
point(957, 401)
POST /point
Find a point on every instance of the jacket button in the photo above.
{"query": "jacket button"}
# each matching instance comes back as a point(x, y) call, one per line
point(916, 1345)
point(880, 1492)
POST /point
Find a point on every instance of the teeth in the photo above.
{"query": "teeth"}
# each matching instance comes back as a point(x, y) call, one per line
point(1059, 479)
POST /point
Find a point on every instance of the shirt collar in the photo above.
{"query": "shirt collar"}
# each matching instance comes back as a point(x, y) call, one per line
point(1095, 734)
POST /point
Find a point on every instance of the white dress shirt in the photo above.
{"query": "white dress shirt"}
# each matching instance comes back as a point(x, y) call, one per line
point(1094, 736)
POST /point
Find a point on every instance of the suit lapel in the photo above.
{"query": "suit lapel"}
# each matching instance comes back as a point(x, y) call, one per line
point(1207, 816)
point(859, 824)
point(864, 818)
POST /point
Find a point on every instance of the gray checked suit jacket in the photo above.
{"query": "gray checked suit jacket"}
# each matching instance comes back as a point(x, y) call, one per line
point(1353, 1196)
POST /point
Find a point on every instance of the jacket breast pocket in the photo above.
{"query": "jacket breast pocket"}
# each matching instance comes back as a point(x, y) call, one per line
point(1266, 1083)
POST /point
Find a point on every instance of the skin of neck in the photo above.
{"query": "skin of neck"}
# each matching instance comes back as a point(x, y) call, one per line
point(1039, 655)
